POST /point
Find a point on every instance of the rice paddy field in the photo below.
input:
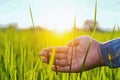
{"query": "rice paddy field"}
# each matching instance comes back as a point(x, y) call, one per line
point(20, 60)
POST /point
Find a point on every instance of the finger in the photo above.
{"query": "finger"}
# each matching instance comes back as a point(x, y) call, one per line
point(64, 69)
point(45, 60)
point(62, 62)
point(44, 51)
point(59, 49)
point(74, 42)
point(57, 55)
point(61, 56)
point(69, 54)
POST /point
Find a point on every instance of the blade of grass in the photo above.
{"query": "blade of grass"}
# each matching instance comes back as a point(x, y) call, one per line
point(52, 58)
point(92, 35)
point(55, 66)
point(33, 25)
point(74, 31)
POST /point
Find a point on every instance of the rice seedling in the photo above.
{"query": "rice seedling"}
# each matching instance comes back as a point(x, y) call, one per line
point(92, 35)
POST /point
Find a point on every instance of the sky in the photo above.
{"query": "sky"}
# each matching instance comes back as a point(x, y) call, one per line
point(59, 14)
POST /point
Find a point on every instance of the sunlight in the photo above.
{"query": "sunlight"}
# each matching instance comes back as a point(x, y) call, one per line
point(59, 20)
point(60, 30)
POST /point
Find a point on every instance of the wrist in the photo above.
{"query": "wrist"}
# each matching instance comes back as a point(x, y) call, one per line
point(101, 60)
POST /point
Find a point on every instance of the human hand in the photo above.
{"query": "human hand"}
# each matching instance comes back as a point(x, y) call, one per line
point(63, 55)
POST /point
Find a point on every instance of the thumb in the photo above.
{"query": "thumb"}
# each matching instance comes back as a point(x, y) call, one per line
point(74, 42)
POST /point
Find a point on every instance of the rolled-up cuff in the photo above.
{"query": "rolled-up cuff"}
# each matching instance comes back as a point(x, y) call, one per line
point(111, 48)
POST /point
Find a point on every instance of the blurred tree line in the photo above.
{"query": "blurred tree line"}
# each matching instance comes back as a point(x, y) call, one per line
point(88, 25)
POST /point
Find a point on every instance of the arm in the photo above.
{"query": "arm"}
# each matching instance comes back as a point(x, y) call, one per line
point(111, 52)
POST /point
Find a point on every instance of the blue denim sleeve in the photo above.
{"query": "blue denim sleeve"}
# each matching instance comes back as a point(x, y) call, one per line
point(111, 49)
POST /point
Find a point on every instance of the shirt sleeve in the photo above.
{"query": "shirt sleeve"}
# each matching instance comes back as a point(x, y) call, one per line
point(111, 52)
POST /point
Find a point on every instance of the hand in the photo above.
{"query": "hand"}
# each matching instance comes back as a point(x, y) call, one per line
point(63, 55)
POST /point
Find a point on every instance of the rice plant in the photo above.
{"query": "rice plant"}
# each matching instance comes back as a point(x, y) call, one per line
point(92, 35)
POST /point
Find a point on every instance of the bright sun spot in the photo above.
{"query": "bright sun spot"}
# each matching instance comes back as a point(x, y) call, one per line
point(60, 30)
point(59, 20)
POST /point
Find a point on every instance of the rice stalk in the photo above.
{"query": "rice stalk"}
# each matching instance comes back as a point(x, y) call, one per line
point(35, 36)
point(22, 60)
point(48, 56)
point(55, 66)
point(92, 35)
point(33, 25)
point(74, 31)
point(46, 38)
point(52, 58)
point(7, 58)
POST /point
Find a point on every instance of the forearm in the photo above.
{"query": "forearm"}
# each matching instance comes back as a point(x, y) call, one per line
point(110, 52)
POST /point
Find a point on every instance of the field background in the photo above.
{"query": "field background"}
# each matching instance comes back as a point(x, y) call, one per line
point(20, 60)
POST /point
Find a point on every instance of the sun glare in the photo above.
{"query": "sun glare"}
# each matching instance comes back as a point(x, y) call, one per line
point(59, 20)
point(60, 30)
